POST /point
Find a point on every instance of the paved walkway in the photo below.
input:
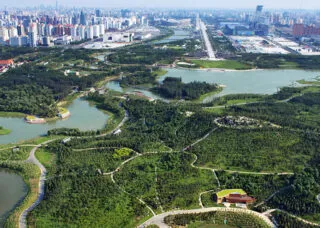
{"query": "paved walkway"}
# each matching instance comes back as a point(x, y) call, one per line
point(32, 159)
point(159, 219)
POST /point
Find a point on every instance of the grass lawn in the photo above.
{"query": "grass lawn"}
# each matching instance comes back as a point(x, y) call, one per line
point(203, 96)
point(223, 64)
point(45, 157)
point(4, 131)
point(242, 101)
point(229, 191)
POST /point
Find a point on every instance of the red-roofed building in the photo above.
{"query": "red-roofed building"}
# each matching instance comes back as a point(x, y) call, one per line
point(238, 198)
point(6, 62)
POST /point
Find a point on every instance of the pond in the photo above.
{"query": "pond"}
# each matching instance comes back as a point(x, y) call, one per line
point(83, 116)
point(12, 191)
point(178, 35)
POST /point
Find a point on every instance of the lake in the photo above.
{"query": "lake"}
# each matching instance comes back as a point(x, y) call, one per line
point(236, 82)
point(83, 116)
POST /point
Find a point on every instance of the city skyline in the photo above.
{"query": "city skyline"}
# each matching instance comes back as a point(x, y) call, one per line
point(231, 4)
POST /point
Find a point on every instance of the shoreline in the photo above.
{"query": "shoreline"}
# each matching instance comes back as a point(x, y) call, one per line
point(234, 70)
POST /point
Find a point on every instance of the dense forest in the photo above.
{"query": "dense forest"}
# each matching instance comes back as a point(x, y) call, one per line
point(274, 150)
point(152, 53)
point(174, 88)
point(300, 199)
point(77, 196)
point(33, 89)
point(139, 76)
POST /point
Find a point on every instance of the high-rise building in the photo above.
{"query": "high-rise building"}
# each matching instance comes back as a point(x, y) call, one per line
point(49, 30)
point(98, 13)
point(13, 32)
point(101, 29)
point(57, 6)
point(89, 32)
point(83, 19)
point(82, 32)
point(96, 31)
point(74, 32)
point(259, 9)
point(298, 29)
point(20, 30)
point(4, 33)
point(32, 35)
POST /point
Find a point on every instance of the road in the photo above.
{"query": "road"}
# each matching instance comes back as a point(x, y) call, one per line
point(32, 159)
point(159, 219)
point(268, 213)
point(207, 42)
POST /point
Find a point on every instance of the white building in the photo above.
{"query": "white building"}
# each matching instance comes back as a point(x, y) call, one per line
point(13, 31)
point(90, 32)
point(82, 32)
point(101, 29)
point(49, 30)
point(96, 31)
point(74, 32)
point(121, 37)
point(33, 36)
point(4, 33)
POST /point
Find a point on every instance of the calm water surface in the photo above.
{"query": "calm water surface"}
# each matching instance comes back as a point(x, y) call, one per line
point(236, 82)
point(12, 191)
point(83, 116)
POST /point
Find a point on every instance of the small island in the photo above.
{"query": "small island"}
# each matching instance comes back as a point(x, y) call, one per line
point(174, 88)
point(4, 131)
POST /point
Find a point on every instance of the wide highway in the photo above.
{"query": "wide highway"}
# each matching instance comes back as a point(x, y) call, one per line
point(207, 42)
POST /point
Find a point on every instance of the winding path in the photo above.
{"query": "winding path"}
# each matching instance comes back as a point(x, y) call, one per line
point(159, 219)
point(268, 213)
point(32, 159)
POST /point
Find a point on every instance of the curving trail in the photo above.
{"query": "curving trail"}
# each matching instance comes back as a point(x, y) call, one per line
point(159, 219)
point(268, 213)
point(200, 197)
point(32, 159)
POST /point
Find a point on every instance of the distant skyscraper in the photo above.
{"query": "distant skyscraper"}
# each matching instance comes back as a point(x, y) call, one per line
point(33, 35)
point(83, 19)
point(259, 8)
point(98, 13)
point(57, 6)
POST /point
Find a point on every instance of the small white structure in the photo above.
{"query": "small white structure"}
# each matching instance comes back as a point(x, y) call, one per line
point(121, 37)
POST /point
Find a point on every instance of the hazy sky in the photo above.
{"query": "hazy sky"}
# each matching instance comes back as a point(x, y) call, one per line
point(305, 4)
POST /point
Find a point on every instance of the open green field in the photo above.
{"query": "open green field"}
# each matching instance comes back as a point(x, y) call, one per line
point(222, 64)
